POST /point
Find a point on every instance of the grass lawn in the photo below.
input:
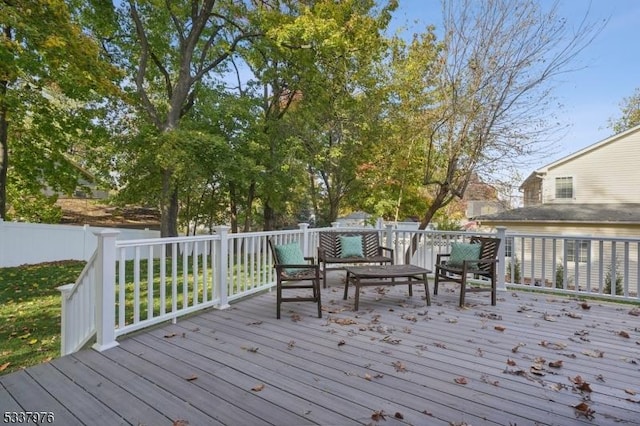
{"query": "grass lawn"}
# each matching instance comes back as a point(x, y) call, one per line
point(30, 312)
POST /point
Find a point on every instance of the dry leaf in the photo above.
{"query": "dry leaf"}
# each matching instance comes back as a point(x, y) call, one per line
point(515, 348)
point(291, 344)
point(594, 354)
point(584, 387)
point(377, 416)
point(398, 415)
point(170, 335)
point(191, 378)
point(583, 409)
point(367, 376)
point(500, 327)
point(511, 362)
point(342, 342)
point(461, 380)
point(635, 312)
point(295, 317)
point(254, 350)
point(345, 321)
point(630, 391)
point(4, 366)
point(623, 334)
point(258, 388)
point(585, 305)
point(400, 367)
point(574, 315)
point(549, 318)
point(180, 422)
point(555, 364)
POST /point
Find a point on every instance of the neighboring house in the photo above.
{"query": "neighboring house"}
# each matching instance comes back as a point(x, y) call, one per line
point(592, 192)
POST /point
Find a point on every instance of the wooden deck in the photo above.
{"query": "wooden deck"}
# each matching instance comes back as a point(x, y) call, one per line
point(395, 361)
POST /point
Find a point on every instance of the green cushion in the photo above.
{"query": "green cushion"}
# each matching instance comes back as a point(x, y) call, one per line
point(464, 251)
point(351, 246)
point(290, 254)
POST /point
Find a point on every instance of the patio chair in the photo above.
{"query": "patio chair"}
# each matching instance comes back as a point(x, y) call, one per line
point(478, 258)
point(294, 271)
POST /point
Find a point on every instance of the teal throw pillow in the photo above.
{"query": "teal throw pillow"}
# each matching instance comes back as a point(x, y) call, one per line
point(351, 246)
point(464, 251)
point(290, 254)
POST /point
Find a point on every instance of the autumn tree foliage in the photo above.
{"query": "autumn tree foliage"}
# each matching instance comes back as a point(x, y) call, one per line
point(630, 108)
point(52, 79)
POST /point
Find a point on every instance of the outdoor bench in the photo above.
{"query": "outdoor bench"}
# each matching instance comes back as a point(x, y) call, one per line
point(350, 247)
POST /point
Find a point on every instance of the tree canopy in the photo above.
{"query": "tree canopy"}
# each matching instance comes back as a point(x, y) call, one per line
point(265, 113)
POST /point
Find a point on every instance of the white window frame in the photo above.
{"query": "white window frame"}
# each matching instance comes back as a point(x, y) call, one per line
point(561, 190)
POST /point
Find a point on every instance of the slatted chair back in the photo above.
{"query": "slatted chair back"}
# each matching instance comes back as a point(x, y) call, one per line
point(489, 250)
point(330, 242)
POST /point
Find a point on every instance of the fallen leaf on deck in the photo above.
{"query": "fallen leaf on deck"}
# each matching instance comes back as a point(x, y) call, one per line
point(4, 366)
point(291, 344)
point(257, 388)
point(584, 387)
point(295, 317)
point(191, 378)
point(367, 377)
point(486, 379)
point(345, 321)
point(515, 348)
point(180, 422)
point(400, 367)
point(511, 362)
point(170, 335)
point(461, 380)
point(552, 345)
point(254, 350)
point(594, 354)
point(630, 391)
point(538, 370)
point(555, 364)
point(377, 416)
point(398, 415)
point(574, 315)
point(583, 409)
point(341, 343)
point(500, 328)
point(585, 305)
point(623, 334)
point(635, 312)
point(549, 318)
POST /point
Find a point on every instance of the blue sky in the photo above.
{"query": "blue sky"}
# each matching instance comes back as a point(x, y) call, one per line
point(591, 96)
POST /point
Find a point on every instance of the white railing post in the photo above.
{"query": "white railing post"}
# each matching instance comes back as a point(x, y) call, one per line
point(105, 280)
point(304, 227)
point(335, 224)
point(222, 266)
point(64, 318)
point(389, 236)
point(502, 264)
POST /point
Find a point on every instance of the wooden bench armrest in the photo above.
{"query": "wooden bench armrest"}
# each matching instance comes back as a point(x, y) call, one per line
point(382, 248)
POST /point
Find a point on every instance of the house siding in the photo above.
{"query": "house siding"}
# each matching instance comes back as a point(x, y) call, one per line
point(607, 174)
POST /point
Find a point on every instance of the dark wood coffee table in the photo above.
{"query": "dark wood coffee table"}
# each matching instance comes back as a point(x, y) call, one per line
point(377, 275)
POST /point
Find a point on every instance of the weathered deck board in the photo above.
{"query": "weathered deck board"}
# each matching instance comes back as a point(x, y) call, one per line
point(395, 356)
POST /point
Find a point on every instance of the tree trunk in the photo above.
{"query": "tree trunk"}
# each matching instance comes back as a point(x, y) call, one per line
point(168, 206)
point(250, 197)
point(269, 217)
point(4, 151)
point(438, 202)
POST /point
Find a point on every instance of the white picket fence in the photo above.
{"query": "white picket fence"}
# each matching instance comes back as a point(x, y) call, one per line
point(30, 243)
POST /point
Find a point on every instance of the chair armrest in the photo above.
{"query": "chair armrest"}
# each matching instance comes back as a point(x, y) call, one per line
point(311, 259)
point(382, 248)
point(439, 257)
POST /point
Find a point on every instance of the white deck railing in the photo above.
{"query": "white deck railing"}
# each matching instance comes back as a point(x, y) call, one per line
point(130, 285)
